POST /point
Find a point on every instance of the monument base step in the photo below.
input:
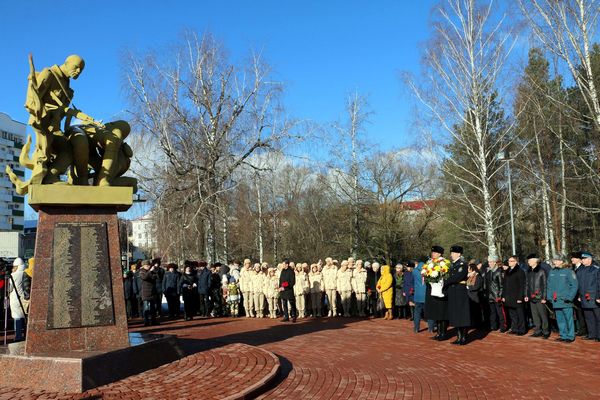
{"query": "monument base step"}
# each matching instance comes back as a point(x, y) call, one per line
point(78, 371)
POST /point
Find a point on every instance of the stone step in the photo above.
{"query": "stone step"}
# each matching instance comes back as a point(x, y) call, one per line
point(227, 371)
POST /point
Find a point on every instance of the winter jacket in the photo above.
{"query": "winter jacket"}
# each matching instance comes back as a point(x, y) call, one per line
point(271, 286)
point(203, 281)
point(419, 284)
point(186, 286)
point(408, 286)
point(128, 282)
point(16, 292)
point(344, 280)
point(385, 286)
point(589, 286)
point(171, 283)
point(493, 284)
point(302, 283)
point(359, 281)
point(160, 274)
point(245, 285)
point(562, 287)
point(257, 282)
point(536, 284)
point(287, 280)
point(330, 277)
point(315, 280)
point(372, 278)
point(514, 286)
point(475, 289)
point(148, 290)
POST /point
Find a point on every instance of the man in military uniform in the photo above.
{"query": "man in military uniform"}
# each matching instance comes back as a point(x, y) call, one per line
point(589, 295)
point(562, 289)
point(459, 311)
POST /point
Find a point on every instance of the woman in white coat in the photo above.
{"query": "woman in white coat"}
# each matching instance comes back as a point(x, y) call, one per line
point(315, 279)
point(330, 285)
point(344, 287)
point(246, 287)
point(16, 298)
point(258, 282)
point(271, 291)
point(300, 289)
point(359, 287)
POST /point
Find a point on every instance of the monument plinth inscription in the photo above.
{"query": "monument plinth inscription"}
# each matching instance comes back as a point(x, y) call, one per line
point(80, 292)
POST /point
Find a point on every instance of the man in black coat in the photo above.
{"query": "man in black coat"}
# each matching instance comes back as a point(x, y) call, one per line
point(513, 295)
point(536, 296)
point(160, 273)
point(170, 288)
point(493, 293)
point(287, 280)
point(148, 277)
point(130, 299)
point(579, 318)
point(459, 311)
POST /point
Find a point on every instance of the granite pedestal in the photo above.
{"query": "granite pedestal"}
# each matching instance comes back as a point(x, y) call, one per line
point(77, 334)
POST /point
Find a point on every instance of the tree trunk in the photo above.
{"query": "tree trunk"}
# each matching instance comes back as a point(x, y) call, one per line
point(260, 217)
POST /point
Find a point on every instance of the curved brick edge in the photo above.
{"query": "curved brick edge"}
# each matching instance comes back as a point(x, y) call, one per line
point(233, 372)
point(259, 387)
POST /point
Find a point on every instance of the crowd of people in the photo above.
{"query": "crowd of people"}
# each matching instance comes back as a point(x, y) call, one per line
point(508, 296)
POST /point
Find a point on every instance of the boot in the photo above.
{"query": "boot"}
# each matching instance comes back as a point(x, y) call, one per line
point(463, 339)
point(438, 331)
point(442, 330)
point(389, 314)
point(458, 336)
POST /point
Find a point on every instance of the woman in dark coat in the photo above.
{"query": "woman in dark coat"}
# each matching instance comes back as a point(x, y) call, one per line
point(436, 308)
point(475, 287)
point(187, 288)
point(459, 309)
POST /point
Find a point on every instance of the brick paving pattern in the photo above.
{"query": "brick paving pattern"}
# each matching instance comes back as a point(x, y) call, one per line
point(357, 359)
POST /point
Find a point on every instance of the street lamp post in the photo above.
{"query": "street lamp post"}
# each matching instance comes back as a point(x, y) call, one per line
point(505, 157)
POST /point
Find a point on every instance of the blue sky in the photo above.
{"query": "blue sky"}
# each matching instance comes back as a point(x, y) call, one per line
point(322, 50)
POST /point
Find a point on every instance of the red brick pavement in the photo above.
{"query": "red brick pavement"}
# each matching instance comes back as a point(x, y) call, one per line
point(361, 359)
point(377, 359)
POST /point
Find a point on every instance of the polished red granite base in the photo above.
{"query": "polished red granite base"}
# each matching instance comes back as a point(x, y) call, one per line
point(75, 336)
point(76, 372)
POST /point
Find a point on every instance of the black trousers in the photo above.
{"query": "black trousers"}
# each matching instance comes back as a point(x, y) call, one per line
point(580, 321)
point(497, 318)
point(158, 302)
point(131, 307)
point(517, 318)
point(293, 310)
point(592, 320)
point(173, 303)
point(204, 305)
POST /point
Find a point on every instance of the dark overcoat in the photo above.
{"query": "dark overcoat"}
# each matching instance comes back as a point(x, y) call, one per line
point(459, 308)
point(287, 275)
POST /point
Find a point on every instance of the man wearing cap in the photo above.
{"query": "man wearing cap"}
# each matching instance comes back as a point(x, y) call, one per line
point(579, 318)
point(493, 285)
point(562, 289)
point(536, 297)
point(436, 308)
point(459, 311)
point(170, 288)
point(589, 295)
point(513, 294)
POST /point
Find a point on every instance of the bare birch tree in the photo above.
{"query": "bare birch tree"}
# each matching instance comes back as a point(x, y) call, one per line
point(207, 117)
point(463, 65)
